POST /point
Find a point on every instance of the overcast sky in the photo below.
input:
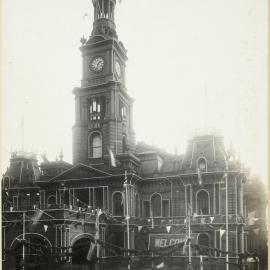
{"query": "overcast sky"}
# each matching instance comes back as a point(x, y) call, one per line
point(192, 64)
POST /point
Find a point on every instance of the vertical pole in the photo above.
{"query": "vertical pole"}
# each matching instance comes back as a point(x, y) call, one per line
point(127, 214)
point(23, 247)
point(201, 262)
point(227, 221)
point(97, 233)
point(189, 239)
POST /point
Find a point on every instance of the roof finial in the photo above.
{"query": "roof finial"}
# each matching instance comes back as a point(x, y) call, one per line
point(61, 156)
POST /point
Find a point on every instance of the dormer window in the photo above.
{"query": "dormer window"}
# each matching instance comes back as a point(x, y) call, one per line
point(202, 165)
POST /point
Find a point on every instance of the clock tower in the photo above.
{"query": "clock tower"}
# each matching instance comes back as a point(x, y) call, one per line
point(103, 109)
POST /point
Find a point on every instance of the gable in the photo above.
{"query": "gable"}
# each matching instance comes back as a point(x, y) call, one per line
point(80, 171)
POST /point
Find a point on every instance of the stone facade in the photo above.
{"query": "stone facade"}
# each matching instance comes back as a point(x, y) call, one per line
point(56, 203)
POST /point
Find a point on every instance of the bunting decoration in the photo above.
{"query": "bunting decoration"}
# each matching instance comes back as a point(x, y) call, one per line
point(168, 228)
point(199, 177)
point(160, 265)
point(112, 158)
point(139, 228)
point(45, 227)
point(92, 251)
point(221, 232)
point(212, 219)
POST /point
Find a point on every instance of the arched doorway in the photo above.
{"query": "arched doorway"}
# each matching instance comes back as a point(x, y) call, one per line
point(84, 252)
point(36, 252)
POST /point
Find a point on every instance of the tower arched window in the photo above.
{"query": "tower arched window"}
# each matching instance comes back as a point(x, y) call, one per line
point(95, 145)
point(203, 207)
point(118, 209)
point(156, 205)
point(202, 165)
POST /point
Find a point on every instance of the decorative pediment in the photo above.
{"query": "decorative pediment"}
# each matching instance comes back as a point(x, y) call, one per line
point(80, 171)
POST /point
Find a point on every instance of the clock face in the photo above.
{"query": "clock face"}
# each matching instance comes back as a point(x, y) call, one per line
point(118, 69)
point(97, 64)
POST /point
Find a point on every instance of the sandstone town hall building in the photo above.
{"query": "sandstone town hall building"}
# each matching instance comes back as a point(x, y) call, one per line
point(143, 197)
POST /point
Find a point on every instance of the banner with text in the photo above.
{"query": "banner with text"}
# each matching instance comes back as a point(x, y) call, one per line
point(166, 240)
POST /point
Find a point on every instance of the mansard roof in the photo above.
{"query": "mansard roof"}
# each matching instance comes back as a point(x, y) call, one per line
point(209, 147)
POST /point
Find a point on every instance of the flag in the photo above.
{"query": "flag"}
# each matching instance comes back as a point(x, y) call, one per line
point(45, 228)
point(160, 265)
point(139, 228)
point(199, 177)
point(168, 228)
point(152, 219)
point(36, 216)
point(123, 197)
point(211, 219)
point(91, 252)
point(112, 158)
point(221, 232)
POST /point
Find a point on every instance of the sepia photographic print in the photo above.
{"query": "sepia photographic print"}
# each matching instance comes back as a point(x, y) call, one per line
point(134, 134)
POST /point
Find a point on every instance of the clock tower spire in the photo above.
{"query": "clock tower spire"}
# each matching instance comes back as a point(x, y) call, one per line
point(103, 108)
point(104, 18)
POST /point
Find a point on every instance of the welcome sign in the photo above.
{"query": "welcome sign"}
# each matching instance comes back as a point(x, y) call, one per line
point(166, 240)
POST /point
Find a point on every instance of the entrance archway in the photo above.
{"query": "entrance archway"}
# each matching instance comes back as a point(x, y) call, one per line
point(81, 250)
point(36, 251)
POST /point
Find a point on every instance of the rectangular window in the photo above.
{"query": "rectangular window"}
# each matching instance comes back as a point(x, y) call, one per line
point(42, 199)
point(99, 197)
point(165, 208)
point(146, 208)
point(82, 195)
point(15, 202)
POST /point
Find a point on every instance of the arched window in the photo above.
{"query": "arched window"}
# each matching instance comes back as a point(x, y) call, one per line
point(95, 145)
point(203, 203)
point(118, 209)
point(202, 165)
point(156, 205)
point(51, 200)
point(203, 241)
